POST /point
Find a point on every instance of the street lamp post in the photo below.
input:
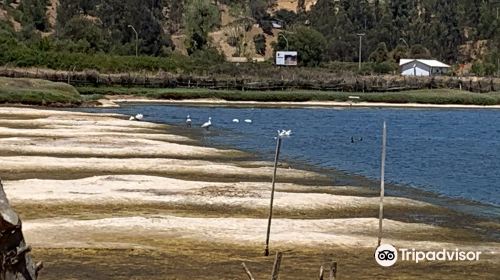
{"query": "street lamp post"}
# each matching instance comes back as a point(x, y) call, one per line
point(286, 40)
point(404, 41)
point(360, 45)
point(136, 40)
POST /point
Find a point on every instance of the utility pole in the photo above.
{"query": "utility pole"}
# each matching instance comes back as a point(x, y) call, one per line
point(136, 40)
point(360, 46)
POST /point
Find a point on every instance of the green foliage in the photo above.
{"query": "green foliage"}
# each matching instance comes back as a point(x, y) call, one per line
point(201, 18)
point(438, 96)
point(419, 51)
point(484, 68)
point(34, 14)
point(111, 30)
point(37, 92)
point(86, 32)
point(309, 43)
point(399, 52)
point(381, 54)
point(260, 44)
point(384, 67)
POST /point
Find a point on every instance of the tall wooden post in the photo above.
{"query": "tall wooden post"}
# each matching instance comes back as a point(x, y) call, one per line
point(276, 157)
point(382, 184)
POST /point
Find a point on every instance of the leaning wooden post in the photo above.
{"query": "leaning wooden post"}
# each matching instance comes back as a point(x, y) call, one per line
point(276, 268)
point(382, 175)
point(15, 261)
point(276, 157)
point(247, 271)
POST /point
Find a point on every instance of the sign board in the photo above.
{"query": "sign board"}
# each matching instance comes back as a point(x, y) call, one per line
point(286, 58)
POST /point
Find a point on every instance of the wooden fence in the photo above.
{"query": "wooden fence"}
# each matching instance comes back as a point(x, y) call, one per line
point(327, 82)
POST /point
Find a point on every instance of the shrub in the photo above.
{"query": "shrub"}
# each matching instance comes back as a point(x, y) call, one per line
point(260, 44)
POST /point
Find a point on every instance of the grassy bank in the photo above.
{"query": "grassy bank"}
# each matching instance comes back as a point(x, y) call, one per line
point(435, 96)
point(38, 92)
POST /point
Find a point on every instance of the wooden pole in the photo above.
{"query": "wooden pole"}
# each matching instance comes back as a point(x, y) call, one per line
point(333, 271)
point(382, 186)
point(276, 157)
point(321, 273)
point(276, 268)
point(247, 271)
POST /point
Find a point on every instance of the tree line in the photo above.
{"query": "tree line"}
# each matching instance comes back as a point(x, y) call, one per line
point(447, 30)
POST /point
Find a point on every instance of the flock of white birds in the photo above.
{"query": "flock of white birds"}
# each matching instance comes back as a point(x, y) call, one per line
point(189, 121)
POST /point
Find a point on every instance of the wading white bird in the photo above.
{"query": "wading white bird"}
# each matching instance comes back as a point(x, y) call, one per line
point(248, 121)
point(132, 118)
point(236, 120)
point(208, 124)
point(139, 117)
point(188, 121)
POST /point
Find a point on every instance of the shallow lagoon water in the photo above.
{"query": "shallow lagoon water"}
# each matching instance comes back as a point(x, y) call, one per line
point(452, 153)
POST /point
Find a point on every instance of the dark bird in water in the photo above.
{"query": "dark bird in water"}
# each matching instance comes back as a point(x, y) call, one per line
point(188, 121)
point(360, 139)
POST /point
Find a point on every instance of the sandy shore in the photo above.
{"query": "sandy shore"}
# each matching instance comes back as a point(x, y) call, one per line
point(92, 184)
point(211, 102)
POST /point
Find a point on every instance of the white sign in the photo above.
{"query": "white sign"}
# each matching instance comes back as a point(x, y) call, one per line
point(286, 58)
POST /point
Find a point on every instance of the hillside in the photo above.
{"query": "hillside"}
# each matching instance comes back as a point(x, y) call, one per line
point(456, 32)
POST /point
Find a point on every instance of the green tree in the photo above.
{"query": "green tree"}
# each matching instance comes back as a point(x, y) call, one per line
point(33, 12)
point(309, 43)
point(260, 44)
point(201, 17)
point(381, 54)
point(419, 51)
point(80, 28)
point(399, 52)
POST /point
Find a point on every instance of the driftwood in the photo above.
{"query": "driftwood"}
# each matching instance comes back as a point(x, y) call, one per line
point(247, 271)
point(333, 271)
point(276, 267)
point(16, 262)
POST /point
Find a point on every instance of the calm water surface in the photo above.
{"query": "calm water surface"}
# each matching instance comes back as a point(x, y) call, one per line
point(452, 153)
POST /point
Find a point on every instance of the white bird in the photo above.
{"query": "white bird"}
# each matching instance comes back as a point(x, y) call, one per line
point(139, 117)
point(188, 121)
point(284, 133)
point(132, 118)
point(248, 121)
point(208, 124)
point(236, 120)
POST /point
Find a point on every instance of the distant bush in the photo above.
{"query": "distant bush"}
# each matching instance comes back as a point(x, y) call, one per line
point(260, 44)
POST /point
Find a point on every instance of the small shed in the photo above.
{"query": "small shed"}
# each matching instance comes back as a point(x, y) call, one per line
point(422, 67)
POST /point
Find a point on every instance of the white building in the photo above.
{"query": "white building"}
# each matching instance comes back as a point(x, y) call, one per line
point(422, 67)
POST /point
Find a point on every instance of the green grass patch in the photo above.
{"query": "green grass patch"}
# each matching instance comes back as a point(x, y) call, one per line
point(428, 96)
point(38, 92)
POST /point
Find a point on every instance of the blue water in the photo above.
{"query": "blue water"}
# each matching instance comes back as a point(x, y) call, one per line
point(453, 153)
